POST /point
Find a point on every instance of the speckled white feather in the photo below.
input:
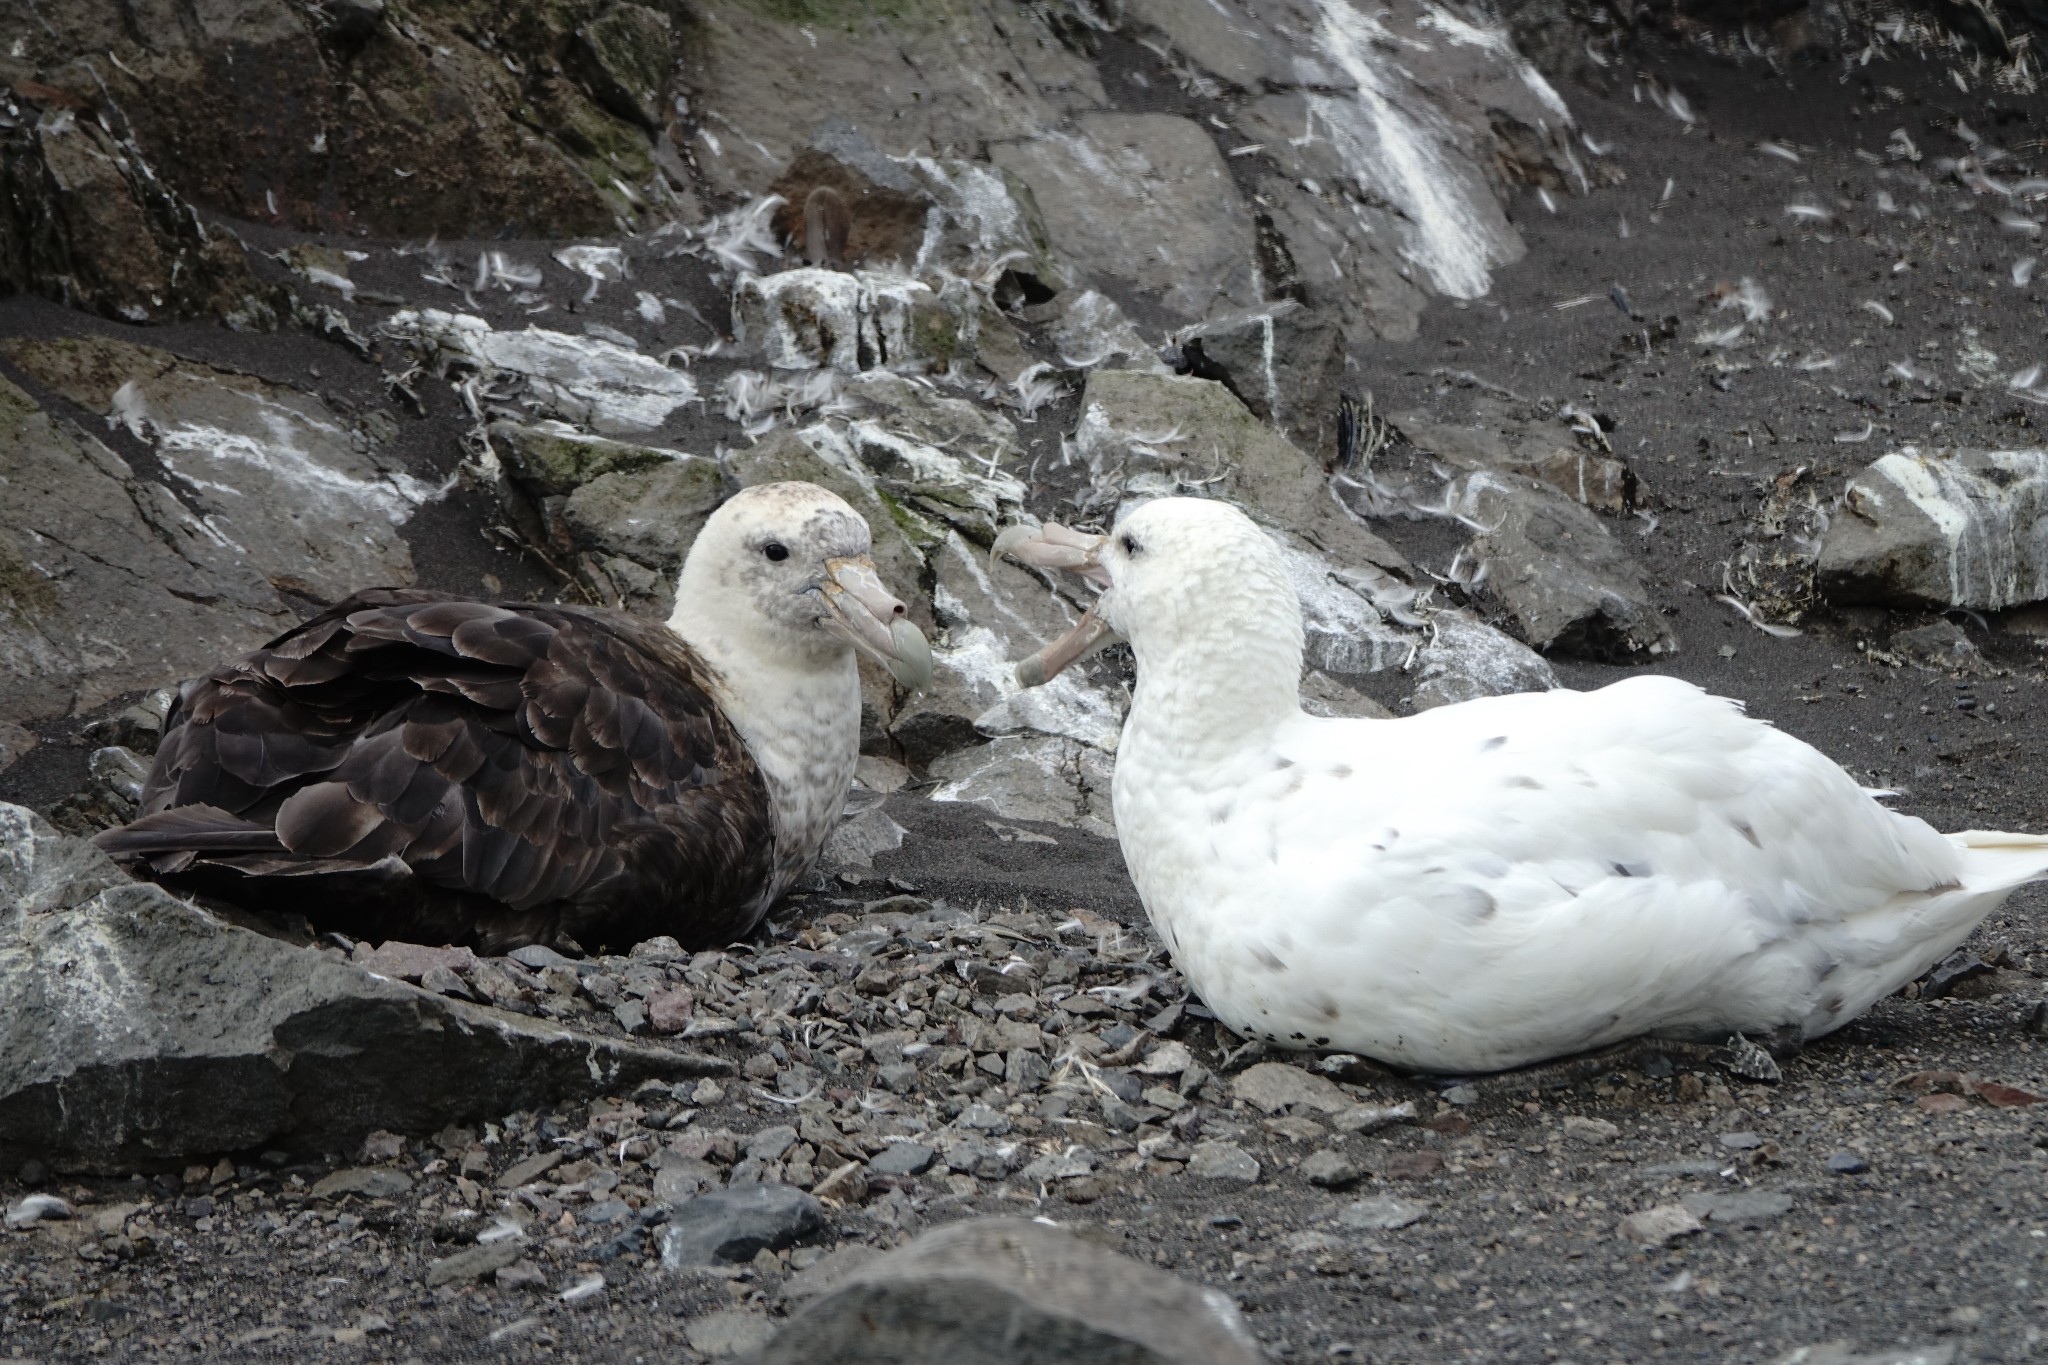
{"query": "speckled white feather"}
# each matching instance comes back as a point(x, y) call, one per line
point(1507, 880)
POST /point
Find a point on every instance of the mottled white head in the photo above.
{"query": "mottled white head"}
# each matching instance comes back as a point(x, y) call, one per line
point(780, 581)
point(1197, 588)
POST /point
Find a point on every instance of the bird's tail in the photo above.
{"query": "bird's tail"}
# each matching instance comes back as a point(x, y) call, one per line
point(1993, 860)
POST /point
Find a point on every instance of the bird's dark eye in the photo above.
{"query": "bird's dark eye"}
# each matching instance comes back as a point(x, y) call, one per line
point(1130, 543)
point(776, 551)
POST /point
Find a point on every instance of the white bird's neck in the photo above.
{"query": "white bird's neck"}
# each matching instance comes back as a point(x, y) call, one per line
point(796, 708)
point(1221, 680)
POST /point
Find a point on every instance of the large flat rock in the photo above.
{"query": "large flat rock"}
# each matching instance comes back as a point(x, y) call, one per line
point(1012, 1291)
point(141, 1031)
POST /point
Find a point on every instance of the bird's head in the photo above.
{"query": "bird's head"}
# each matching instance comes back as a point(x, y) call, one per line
point(1175, 573)
point(783, 569)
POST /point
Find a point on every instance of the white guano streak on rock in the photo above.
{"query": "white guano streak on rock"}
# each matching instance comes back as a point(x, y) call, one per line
point(1345, 633)
point(1982, 521)
point(614, 385)
point(1401, 153)
point(1500, 45)
point(283, 452)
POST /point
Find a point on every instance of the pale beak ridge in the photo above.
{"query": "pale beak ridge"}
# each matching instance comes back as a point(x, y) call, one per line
point(865, 614)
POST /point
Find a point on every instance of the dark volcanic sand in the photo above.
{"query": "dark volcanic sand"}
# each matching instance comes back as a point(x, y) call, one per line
point(1939, 1242)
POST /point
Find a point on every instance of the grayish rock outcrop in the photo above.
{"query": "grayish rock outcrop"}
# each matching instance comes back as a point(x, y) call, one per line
point(141, 1031)
point(1007, 1291)
point(108, 583)
point(1943, 528)
point(276, 478)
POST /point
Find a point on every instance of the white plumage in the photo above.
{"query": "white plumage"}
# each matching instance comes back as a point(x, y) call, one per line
point(1499, 882)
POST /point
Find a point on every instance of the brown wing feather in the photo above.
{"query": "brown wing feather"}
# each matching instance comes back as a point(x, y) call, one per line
point(489, 773)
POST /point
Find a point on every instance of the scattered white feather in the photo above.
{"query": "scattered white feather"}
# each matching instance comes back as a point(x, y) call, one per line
point(495, 269)
point(1809, 213)
point(1748, 613)
point(131, 410)
point(1850, 438)
point(587, 1287)
point(1883, 313)
point(1780, 151)
point(1725, 336)
point(501, 1229)
point(733, 239)
point(1033, 389)
point(2023, 271)
point(650, 308)
point(1752, 298)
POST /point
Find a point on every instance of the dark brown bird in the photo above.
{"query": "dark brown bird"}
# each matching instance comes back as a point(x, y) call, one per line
point(419, 766)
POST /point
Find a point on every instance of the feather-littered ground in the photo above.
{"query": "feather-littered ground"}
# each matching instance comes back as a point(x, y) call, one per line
point(986, 1026)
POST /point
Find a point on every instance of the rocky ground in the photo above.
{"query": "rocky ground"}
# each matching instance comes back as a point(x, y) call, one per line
point(1645, 432)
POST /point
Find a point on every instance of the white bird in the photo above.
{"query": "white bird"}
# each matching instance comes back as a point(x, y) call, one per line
point(1494, 883)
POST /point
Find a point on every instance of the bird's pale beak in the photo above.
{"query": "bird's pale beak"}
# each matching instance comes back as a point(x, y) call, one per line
point(860, 611)
point(1053, 546)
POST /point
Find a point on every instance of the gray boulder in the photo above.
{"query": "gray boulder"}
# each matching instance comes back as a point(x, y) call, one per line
point(645, 520)
point(1152, 433)
point(1496, 435)
point(1942, 528)
point(1284, 362)
point(1570, 586)
point(851, 321)
point(142, 1031)
point(1007, 1291)
point(734, 1224)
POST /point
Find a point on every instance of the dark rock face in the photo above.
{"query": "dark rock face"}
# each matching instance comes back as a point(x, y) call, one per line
point(86, 220)
point(141, 1030)
point(1006, 1291)
point(110, 582)
point(454, 118)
